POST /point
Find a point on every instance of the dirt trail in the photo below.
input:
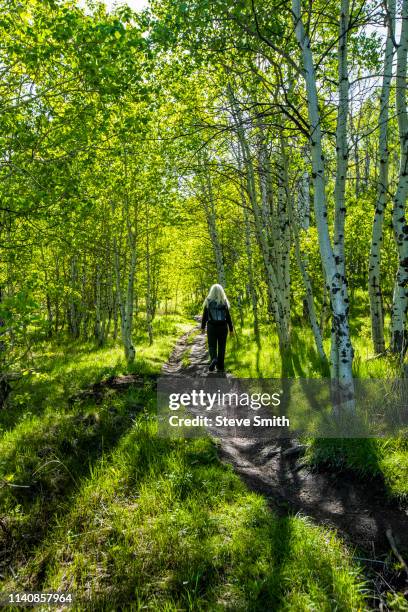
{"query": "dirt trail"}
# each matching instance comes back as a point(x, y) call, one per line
point(358, 508)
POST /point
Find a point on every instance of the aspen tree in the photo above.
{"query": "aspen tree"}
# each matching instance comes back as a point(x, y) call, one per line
point(209, 207)
point(400, 296)
point(276, 293)
point(332, 259)
point(374, 266)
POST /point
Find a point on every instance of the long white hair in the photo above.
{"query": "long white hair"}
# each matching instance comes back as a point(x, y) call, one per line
point(217, 294)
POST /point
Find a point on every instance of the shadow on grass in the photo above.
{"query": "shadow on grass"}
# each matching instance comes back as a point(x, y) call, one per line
point(164, 525)
point(305, 358)
point(338, 454)
point(209, 540)
point(49, 447)
point(61, 375)
point(56, 378)
point(262, 358)
point(44, 460)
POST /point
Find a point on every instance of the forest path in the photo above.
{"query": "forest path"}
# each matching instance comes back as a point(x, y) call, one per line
point(358, 508)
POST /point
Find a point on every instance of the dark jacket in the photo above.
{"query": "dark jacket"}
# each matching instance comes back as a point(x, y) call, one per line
point(206, 319)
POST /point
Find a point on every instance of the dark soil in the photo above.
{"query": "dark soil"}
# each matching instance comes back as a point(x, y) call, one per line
point(117, 383)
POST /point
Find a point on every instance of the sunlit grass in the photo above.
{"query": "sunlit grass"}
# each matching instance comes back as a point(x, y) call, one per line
point(116, 514)
point(47, 443)
point(164, 524)
point(386, 459)
point(248, 358)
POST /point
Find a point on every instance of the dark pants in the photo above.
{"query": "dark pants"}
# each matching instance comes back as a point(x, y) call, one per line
point(217, 340)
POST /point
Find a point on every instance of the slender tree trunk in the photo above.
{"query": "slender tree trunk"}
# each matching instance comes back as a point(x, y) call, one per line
point(115, 313)
point(400, 296)
point(302, 261)
point(342, 154)
point(50, 316)
point(98, 308)
point(374, 266)
point(303, 208)
point(5, 387)
point(57, 302)
point(342, 350)
point(125, 302)
point(367, 168)
point(324, 310)
point(149, 314)
point(127, 331)
point(248, 248)
point(210, 213)
point(85, 304)
point(283, 221)
point(73, 310)
point(252, 285)
point(272, 273)
point(357, 165)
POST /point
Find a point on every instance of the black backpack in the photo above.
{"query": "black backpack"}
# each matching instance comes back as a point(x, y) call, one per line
point(217, 312)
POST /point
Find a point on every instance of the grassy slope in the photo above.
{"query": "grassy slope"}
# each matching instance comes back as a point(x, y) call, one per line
point(116, 514)
point(384, 458)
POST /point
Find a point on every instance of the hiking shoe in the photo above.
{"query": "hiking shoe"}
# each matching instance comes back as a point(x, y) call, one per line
point(212, 365)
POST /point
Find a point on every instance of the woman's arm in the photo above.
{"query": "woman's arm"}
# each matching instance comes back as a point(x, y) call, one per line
point(204, 318)
point(229, 321)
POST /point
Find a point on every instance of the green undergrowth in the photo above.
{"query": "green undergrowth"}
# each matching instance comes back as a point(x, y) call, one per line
point(385, 460)
point(164, 525)
point(249, 357)
point(94, 502)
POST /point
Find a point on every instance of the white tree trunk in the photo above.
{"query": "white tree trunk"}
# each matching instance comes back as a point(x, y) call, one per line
point(302, 260)
point(374, 267)
point(341, 146)
point(283, 221)
point(400, 297)
point(98, 307)
point(125, 290)
point(249, 254)
point(304, 202)
point(272, 274)
point(342, 351)
point(149, 308)
point(125, 300)
point(210, 213)
point(73, 310)
point(127, 325)
point(340, 181)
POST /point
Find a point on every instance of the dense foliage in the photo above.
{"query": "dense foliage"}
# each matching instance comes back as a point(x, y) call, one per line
point(147, 155)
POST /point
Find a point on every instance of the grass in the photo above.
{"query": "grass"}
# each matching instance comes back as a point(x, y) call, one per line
point(386, 459)
point(164, 525)
point(248, 358)
point(127, 520)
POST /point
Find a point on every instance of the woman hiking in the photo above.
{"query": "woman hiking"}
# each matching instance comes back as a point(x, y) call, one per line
point(217, 317)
